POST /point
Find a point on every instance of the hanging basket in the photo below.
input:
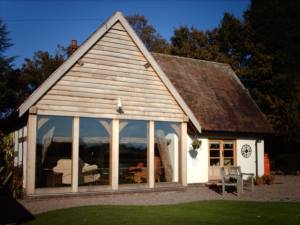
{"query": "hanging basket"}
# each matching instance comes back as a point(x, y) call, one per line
point(193, 153)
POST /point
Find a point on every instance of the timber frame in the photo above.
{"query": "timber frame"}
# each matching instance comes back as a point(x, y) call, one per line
point(33, 112)
point(114, 185)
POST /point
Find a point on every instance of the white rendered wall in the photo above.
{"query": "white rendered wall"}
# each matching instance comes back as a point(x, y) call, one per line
point(197, 168)
point(248, 165)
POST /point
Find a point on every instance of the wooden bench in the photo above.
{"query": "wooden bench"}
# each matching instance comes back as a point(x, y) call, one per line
point(236, 171)
point(230, 180)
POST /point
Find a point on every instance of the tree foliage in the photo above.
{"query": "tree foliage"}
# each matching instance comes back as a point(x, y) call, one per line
point(263, 48)
point(8, 76)
point(264, 51)
point(149, 36)
point(34, 71)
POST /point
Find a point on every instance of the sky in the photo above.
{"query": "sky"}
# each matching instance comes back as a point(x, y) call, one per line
point(43, 24)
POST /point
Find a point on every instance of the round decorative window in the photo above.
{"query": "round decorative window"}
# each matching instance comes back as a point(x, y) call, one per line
point(246, 151)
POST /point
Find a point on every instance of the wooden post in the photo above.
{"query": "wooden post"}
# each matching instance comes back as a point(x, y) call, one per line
point(151, 154)
point(31, 153)
point(183, 152)
point(75, 154)
point(114, 155)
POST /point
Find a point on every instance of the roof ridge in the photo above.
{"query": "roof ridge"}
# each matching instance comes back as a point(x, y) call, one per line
point(193, 59)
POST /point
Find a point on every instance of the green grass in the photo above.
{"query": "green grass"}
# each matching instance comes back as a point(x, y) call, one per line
point(206, 212)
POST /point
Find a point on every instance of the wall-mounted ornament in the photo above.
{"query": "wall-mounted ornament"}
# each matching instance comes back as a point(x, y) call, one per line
point(120, 107)
point(246, 151)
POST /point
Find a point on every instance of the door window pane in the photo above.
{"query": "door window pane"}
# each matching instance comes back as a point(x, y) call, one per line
point(54, 151)
point(167, 136)
point(228, 145)
point(228, 153)
point(228, 162)
point(214, 162)
point(133, 145)
point(214, 145)
point(94, 151)
point(214, 153)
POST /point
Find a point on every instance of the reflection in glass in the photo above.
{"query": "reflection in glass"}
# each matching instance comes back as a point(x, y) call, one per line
point(133, 143)
point(54, 151)
point(167, 136)
point(228, 161)
point(94, 145)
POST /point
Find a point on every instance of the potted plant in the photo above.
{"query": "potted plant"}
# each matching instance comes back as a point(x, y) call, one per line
point(196, 143)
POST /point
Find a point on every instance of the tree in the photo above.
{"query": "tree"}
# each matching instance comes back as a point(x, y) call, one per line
point(264, 51)
point(36, 70)
point(273, 28)
point(9, 83)
point(149, 36)
point(193, 43)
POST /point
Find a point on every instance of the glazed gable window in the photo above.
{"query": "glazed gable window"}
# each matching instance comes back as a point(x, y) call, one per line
point(94, 151)
point(133, 147)
point(166, 165)
point(53, 151)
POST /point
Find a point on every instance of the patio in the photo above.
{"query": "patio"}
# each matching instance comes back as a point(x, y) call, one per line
point(284, 189)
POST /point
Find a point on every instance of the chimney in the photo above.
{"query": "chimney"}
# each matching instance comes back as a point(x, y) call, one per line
point(72, 48)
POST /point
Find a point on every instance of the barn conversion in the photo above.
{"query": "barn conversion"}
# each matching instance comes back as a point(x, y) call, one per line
point(115, 117)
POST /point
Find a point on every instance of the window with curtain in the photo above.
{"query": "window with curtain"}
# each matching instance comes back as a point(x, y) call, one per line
point(166, 159)
point(53, 151)
point(94, 151)
point(133, 142)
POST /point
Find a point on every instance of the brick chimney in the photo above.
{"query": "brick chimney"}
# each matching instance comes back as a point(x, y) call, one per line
point(72, 48)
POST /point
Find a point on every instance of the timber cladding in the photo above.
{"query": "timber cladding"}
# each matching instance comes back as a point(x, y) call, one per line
point(112, 68)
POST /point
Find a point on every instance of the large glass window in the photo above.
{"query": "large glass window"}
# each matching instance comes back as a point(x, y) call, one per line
point(94, 151)
point(166, 166)
point(54, 151)
point(133, 152)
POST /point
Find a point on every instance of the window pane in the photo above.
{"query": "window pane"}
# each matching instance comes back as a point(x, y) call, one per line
point(228, 162)
point(94, 146)
point(214, 153)
point(54, 151)
point(167, 136)
point(214, 145)
point(228, 145)
point(215, 162)
point(228, 153)
point(133, 152)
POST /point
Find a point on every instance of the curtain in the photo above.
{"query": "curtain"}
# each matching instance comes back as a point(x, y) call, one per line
point(162, 143)
point(47, 139)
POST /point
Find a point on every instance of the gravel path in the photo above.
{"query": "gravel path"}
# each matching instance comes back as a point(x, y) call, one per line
point(285, 188)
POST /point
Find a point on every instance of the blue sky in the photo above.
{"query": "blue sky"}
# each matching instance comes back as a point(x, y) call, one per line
point(43, 24)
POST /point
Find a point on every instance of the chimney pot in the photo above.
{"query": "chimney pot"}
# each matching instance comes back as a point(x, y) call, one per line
point(72, 47)
point(74, 44)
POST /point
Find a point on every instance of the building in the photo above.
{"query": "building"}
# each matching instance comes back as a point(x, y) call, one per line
point(114, 117)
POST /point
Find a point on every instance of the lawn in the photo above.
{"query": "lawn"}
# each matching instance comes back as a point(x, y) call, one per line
point(206, 212)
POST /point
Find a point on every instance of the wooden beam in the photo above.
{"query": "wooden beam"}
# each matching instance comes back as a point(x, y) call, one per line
point(114, 155)
point(183, 155)
point(151, 154)
point(75, 154)
point(31, 154)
